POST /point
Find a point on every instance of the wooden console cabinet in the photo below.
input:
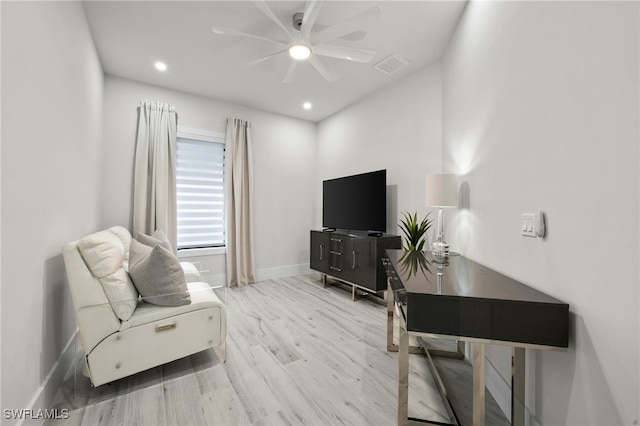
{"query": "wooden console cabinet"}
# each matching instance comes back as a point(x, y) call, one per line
point(355, 258)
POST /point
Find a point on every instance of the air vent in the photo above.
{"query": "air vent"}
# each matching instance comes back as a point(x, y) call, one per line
point(392, 64)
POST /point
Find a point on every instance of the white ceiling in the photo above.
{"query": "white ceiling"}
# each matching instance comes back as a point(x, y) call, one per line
point(130, 36)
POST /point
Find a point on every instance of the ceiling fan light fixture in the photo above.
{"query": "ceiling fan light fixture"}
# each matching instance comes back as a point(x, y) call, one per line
point(299, 51)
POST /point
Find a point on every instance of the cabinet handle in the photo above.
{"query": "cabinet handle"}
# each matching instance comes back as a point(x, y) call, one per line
point(355, 259)
point(336, 253)
point(321, 256)
point(338, 240)
point(335, 269)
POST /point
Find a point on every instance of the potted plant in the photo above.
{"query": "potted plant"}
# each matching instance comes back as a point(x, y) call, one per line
point(415, 232)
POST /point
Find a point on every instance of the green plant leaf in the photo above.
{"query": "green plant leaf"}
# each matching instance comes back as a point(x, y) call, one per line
point(414, 231)
point(413, 261)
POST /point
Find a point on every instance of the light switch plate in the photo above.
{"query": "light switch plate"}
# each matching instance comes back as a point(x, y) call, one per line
point(527, 225)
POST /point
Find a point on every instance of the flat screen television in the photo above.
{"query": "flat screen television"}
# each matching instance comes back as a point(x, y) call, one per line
point(356, 203)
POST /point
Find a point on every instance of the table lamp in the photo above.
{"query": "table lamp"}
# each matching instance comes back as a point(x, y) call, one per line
point(441, 190)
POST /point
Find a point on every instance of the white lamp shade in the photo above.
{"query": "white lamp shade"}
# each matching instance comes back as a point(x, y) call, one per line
point(441, 190)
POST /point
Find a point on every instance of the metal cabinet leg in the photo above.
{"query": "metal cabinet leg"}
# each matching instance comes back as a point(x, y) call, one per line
point(403, 377)
point(478, 384)
point(390, 313)
point(517, 386)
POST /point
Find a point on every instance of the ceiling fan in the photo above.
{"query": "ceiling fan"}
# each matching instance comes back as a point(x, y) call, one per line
point(303, 46)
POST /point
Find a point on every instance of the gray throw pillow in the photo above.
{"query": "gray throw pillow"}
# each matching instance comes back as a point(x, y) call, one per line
point(158, 237)
point(157, 275)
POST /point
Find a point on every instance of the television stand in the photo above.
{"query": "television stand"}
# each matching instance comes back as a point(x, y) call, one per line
point(354, 258)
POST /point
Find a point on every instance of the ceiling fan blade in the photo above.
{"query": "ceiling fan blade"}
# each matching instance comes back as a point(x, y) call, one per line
point(347, 53)
point(310, 15)
point(264, 58)
point(356, 22)
point(226, 31)
point(354, 36)
point(323, 68)
point(260, 4)
point(288, 77)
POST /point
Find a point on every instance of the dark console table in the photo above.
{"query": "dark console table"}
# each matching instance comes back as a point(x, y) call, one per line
point(352, 257)
point(457, 298)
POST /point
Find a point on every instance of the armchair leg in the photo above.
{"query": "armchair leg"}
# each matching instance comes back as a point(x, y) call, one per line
point(221, 352)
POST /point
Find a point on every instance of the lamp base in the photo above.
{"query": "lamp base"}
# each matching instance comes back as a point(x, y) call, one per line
point(440, 248)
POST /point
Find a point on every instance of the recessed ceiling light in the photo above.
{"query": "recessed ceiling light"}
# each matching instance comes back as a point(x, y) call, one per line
point(299, 51)
point(160, 66)
point(307, 105)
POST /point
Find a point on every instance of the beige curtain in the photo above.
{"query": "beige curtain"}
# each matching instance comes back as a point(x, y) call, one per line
point(239, 204)
point(154, 191)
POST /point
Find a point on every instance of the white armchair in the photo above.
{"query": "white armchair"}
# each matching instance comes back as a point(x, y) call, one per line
point(121, 334)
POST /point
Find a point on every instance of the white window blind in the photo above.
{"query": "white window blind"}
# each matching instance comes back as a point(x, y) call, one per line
point(200, 191)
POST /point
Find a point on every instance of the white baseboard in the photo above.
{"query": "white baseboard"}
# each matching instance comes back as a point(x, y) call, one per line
point(262, 274)
point(43, 398)
point(281, 271)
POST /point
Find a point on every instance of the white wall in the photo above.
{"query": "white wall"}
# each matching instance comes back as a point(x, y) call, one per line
point(540, 110)
point(284, 170)
point(398, 129)
point(562, 77)
point(52, 86)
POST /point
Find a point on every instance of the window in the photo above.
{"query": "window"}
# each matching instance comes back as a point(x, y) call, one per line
point(200, 189)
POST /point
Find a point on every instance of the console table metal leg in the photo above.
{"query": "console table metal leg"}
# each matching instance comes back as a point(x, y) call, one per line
point(478, 384)
point(517, 386)
point(391, 315)
point(403, 377)
point(389, 296)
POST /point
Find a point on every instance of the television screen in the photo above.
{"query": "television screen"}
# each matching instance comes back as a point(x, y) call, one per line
point(356, 203)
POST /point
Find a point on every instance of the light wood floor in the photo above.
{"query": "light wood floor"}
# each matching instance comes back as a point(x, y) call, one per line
point(296, 354)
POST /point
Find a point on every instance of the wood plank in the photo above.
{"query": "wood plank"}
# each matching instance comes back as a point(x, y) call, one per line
point(146, 406)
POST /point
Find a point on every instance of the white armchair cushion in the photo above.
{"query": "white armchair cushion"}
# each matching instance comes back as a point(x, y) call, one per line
point(157, 275)
point(202, 297)
point(123, 234)
point(103, 253)
point(191, 273)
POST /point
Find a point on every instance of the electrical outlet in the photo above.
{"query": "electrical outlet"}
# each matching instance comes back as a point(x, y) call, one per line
point(527, 225)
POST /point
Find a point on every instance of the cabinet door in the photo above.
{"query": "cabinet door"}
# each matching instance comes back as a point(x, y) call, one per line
point(320, 251)
point(360, 262)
